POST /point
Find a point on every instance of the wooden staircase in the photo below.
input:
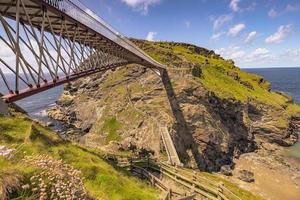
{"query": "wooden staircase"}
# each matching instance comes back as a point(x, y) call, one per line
point(169, 146)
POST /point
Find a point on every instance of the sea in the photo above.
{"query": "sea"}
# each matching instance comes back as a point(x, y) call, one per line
point(288, 81)
point(35, 105)
point(282, 79)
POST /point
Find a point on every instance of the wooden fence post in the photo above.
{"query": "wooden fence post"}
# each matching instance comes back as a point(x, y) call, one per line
point(152, 180)
point(160, 171)
point(130, 165)
point(148, 163)
point(220, 190)
point(170, 192)
point(194, 181)
point(175, 172)
point(3, 108)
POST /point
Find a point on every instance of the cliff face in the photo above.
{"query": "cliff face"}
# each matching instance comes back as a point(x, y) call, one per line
point(213, 110)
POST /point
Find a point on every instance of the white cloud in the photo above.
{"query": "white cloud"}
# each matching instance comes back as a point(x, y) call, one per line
point(151, 36)
point(188, 24)
point(234, 5)
point(259, 55)
point(5, 51)
point(141, 5)
point(260, 51)
point(232, 52)
point(221, 20)
point(292, 8)
point(251, 37)
point(282, 33)
point(273, 13)
point(251, 6)
point(291, 54)
point(216, 36)
point(235, 30)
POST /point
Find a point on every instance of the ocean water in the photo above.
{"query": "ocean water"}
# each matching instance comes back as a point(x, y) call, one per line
point(286, 80)
point(36, 105)
point(282, 79)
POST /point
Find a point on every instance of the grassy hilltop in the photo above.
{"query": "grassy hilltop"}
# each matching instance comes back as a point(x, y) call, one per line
point(219, 75)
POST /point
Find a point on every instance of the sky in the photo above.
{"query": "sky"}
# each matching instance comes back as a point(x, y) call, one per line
point(254, 33)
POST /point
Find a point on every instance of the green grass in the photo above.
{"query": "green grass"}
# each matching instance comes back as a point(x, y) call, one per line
point(220, 76)
point(111, 126)
point(225, 86)
point(102, 180)
point(293, 109)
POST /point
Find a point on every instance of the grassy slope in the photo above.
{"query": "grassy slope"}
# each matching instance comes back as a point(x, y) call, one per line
point(101, 180)
point(219, 74)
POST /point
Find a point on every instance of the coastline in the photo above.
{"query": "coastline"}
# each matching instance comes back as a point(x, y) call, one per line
point(294, 151)
point(259, 164)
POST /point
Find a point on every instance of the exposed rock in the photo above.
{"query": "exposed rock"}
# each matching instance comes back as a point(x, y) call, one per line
point(234, 75)
point(226, 170)
point(196, 71)
point(290, 99)
point(246, 176)
point(247, 84)
point(50, 124)
point(208, 131)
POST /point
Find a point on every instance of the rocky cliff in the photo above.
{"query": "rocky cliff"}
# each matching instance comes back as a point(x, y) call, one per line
point(214, 111)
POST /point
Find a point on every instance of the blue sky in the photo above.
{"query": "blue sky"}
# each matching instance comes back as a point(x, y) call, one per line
point(254, 33)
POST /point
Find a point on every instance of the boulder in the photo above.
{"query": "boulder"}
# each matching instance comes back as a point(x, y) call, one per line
point(246, 176)
point(226, 170)
point(50, 124)
point(196, 71)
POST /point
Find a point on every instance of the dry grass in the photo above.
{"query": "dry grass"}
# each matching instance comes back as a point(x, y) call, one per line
point(9, 181)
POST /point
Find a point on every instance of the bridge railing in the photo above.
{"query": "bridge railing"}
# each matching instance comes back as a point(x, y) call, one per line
point(79, 12)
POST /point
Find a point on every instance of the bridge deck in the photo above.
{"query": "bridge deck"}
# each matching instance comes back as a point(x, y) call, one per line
point(90, 31)
point(90, 45)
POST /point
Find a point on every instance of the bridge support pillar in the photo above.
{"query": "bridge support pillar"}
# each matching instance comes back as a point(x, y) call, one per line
point(3, 108)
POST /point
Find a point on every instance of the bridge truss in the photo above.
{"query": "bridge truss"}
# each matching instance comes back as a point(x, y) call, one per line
point(46, 43)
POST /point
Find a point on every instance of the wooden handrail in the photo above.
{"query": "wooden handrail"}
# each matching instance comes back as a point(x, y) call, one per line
point(206, 187)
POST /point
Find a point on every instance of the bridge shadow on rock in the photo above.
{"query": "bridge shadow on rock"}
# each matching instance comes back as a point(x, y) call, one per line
point(229, 116)
point(183, 139)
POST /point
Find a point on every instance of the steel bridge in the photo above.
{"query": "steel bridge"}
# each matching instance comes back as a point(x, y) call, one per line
point(46, 43)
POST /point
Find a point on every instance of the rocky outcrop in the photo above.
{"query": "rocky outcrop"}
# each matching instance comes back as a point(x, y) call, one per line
point(246, 176)
point(121, 109)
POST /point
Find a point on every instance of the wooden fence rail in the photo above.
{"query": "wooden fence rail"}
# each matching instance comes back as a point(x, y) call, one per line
point(159, 184)
point(200, 185)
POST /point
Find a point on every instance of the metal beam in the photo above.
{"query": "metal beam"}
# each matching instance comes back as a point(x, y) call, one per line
point(60, 39)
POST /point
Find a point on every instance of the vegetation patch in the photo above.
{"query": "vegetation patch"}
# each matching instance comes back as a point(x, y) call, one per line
point(221, 76)
point(34, 144)
point(111, 126)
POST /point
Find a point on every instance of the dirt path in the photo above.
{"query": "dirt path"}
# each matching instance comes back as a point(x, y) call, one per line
point(272, 180)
